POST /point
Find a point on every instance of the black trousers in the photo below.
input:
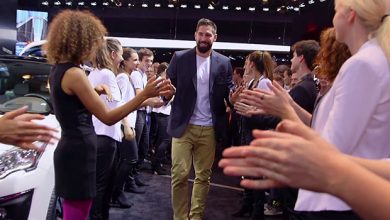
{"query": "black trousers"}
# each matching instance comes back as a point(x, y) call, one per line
point(142, 136)
point(127, 155)
point(325, 215)
point(105, 175)
point(163, 139)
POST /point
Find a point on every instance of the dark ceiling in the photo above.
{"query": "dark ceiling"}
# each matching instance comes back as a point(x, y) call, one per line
point(285, 22)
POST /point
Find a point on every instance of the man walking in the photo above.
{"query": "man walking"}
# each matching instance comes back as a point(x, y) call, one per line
point(203, 79)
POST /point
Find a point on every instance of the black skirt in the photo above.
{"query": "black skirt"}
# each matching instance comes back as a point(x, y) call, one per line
point(75, 167)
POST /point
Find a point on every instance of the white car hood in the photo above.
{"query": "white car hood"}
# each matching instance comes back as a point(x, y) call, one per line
point(50, 120)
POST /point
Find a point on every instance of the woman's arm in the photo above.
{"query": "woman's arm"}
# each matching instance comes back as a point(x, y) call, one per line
point(75, 82)
point(379, 167)
point(300, 158)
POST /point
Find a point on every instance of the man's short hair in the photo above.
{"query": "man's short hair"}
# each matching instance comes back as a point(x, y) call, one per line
point(239, 70)
point(309, 49)
point(144, 52)
point(206, 22)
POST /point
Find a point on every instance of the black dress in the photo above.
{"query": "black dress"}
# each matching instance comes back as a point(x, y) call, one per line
point(75, 155)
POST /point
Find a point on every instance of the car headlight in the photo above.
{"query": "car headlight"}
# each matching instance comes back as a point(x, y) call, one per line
point(17, 159)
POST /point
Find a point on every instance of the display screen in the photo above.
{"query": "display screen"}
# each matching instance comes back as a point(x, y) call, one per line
point(31, 26)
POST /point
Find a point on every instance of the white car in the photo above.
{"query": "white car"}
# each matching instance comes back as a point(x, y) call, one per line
point(26, 176)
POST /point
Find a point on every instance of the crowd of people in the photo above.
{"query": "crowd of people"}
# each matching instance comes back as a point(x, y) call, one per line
point(313, 134)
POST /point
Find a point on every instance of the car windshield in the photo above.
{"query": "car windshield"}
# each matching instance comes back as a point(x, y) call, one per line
point(20, 77)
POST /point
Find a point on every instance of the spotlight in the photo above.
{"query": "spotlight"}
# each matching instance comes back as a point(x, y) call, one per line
point(197, 6)
point(117, 3)
point(214, 2)
point(157, 5)
point(68, 3)
point(310, 2)
point(252, 9)
point(183, 6)
point(171, 5)
point(265, 9)
point(225, 7)
point(238, 8)
point(81, 3)
point(211, 7)
point(45, 3)
point(144, 5)
point(93, 3)
point(57, 3)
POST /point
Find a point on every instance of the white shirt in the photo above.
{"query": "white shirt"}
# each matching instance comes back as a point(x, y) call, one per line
point(263, 81)
point(165, 109)
point(354, 116)
point(107, 77)
point(202, 112)
point(128, 93)
point(139, 80)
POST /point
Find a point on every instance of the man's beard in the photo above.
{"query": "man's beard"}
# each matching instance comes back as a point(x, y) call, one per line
point(203, 49)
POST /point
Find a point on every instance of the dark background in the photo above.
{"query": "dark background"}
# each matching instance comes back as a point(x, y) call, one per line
point(282, 27)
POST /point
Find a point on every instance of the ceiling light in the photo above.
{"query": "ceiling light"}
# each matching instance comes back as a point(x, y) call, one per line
point(296, 9)
point(57, 3)
point(68, 3)
point(225, 7)
point(267, 9)
point(157, 5)
point(144, 5)
point(81, 3)
point(252, 9)
point(211, 7)
point(214, 2)
point(93, 3)
point(105, 3)
point(197, 6)
point(46, 3)
point(302, 5)
point(170, 6)
point(183, 6)
point(310, 2)
point(238, 8)
point(118, 3)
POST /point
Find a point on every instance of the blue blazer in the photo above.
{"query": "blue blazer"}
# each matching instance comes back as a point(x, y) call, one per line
point(182, 72)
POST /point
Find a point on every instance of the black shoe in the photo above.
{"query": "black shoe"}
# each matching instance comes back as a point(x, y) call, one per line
point(159, 170)
point(245, 211)
point(121, 202)
point(131, 187)
point(139, 182)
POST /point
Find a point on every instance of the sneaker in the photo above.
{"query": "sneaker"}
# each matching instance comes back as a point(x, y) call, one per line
point(273, 209)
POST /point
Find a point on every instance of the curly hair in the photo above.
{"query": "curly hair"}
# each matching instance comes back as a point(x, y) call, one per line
point(74, 36)
point(331, 56)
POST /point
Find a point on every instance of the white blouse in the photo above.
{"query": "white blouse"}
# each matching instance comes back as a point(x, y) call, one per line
point(107, 77)
point(354, 116)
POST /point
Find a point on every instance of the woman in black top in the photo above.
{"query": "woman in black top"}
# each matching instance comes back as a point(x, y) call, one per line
point(73, 38)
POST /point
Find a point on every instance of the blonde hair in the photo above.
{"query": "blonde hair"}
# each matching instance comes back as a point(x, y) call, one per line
point(371, 14)
point(103, 57)
point(74, 36)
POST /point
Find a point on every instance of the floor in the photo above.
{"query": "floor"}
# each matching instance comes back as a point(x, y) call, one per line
point(223, 200)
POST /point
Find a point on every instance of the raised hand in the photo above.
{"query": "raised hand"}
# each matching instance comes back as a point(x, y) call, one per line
point(17, 128)
point(275, 102)
point(295, 156)
point(157, 87)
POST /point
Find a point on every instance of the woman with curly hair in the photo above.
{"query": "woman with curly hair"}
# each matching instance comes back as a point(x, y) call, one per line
point(73, 38)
